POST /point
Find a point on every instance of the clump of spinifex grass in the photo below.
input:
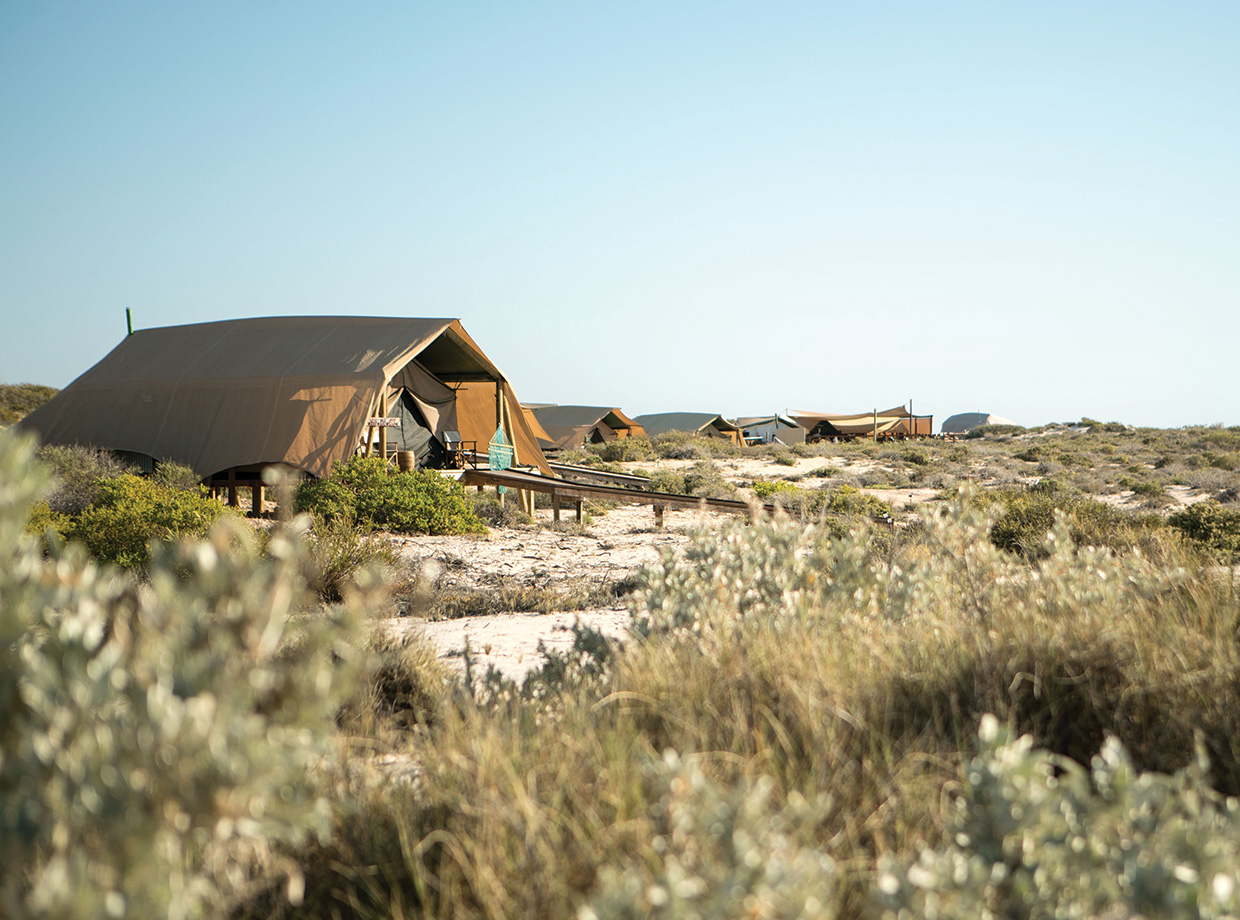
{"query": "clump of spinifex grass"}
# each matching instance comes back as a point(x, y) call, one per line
point(835, 685)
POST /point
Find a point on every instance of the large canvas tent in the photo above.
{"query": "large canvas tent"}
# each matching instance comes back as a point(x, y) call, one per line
point(295, 391)
point(703, 423)
point(570, 427)
point(897, 422)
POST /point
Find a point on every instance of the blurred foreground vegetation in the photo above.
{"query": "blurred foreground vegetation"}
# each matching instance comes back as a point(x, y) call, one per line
point(952, 717)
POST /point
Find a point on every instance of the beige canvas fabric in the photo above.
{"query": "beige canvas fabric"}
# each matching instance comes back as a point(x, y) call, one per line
point(894, 420)
point(294, 390)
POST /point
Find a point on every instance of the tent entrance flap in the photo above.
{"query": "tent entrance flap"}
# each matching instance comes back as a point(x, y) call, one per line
point(414, 434)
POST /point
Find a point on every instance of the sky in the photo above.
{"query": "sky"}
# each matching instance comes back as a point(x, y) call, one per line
point(1026, 209)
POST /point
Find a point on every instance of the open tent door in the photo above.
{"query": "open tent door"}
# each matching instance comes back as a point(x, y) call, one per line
point(414, 434)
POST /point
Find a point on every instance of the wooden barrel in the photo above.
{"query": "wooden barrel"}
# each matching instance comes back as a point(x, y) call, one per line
point(405, 460)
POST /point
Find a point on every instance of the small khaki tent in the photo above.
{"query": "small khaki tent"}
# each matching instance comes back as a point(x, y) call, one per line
point(882, 424)
point(297, 391)
point(703, 423)
point(569, 427)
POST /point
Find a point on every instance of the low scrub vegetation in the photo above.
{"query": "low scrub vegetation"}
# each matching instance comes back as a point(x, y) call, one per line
point(157, 737)
point(955, 716)
point(17, 400)
point(368, 492)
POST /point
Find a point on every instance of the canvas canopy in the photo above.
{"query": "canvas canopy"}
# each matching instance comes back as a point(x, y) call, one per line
point(703, 423)
point(575, 426)
point(296, 390)
point(887, 422)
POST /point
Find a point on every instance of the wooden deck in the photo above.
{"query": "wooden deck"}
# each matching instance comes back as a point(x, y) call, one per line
point(562, 490)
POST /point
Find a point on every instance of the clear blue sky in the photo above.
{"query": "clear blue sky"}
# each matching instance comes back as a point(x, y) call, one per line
point(1031, 209)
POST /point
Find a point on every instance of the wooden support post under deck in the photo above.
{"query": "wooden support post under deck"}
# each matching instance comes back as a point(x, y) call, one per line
point(658, 516)
point(579, 504)
point(256, 500)
point(233, 500)
point(555, 507)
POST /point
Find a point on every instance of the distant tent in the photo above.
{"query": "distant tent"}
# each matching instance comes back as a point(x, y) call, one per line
point(770, 429)
point(703, 423)
point(569, 427)
point(963, 422)
point(295, 391)
point(896, 422)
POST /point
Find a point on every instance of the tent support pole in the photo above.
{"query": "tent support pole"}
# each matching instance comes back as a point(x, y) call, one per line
point(383, 411)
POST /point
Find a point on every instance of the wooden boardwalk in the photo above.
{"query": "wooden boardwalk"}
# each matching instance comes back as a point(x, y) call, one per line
point(562, 490)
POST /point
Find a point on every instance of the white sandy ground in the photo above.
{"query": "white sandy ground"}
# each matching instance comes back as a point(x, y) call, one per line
point(610, 547)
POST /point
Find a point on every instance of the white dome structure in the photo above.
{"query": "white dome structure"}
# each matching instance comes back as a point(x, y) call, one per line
point(965, 421)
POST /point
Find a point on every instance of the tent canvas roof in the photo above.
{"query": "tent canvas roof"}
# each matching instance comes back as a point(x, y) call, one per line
point(659, 422)
point(290, 389)
point(571, 426)
point(860, 423)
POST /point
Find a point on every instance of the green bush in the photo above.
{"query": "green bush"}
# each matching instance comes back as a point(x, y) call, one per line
point(157, 738)
point(129, 512)
point(1029, 514)
point(369, 492)
point(1036, 835)
point(1211, 526)
point(326, 500)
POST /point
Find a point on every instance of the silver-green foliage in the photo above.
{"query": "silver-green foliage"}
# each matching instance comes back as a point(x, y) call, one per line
point(1038, 835)
point(721, 853)
point(780, 569)
point(155, 737)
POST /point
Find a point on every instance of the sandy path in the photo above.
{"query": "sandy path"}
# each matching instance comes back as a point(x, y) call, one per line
point(509, 641)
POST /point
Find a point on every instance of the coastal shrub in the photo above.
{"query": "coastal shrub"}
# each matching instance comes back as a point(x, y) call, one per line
point(993, 431)
point(1213, 527)
point(18, 400)
point(488, 509)
point(157, 738)
point(77, 473)
point(843, 501)
point(177, 476)
point(130, 512)
point(1029, 515)
point(326, 500)
point(338, 555)
point(623, 450)
point(703, 480)
point(43, 519)
point(1038, 835)
point(416, 501)
point(684, 445)
point(721, 853)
